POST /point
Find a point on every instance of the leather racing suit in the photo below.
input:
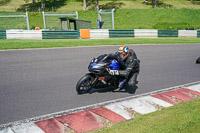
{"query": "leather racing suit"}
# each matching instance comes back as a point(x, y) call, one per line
point(129, 68)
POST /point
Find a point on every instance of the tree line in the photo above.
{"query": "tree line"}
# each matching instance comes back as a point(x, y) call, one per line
point(154, 3)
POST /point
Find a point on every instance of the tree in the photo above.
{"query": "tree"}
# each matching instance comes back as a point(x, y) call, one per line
point(33, 1)
point(94, 3)
point(97, 5)
point(43, 4)
point(155, 2)
point(84, 4)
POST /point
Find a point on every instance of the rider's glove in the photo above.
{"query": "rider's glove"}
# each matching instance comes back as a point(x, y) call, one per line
point(114, 72)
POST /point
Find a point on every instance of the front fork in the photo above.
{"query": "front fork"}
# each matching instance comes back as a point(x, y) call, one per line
point(94, 77)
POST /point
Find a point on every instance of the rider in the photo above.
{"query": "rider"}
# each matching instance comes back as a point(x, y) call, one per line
point(129, 66)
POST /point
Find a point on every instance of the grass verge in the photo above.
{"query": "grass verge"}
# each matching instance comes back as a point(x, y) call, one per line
point(124, 19)
point(49, 43)
point(132, 19)
point(182, 118)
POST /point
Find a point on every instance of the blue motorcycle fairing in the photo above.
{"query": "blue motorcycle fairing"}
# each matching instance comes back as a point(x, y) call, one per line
point(114, 65)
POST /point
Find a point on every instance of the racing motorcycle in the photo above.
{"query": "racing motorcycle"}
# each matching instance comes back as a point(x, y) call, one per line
point(198, 61)
point(98, 76)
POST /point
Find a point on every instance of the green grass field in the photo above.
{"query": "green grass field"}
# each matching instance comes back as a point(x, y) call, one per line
point(49, 43)
point(157, 19)
point(124, 19)
point(129, 14)
point(181, 118)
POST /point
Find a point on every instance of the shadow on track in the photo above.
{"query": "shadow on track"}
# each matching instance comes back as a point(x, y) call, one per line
point(126, 89)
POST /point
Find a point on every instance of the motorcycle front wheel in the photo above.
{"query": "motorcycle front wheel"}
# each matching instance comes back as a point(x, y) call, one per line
point(84, 85)
point(198, 61)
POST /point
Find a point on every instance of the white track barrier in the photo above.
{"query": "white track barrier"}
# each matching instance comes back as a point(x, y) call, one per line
point(145, 33)
point(99, 34)
point(95, 33)
point(23, 34)
point(187, 33)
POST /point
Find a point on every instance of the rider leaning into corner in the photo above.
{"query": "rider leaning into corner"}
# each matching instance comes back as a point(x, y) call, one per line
point(129, 66)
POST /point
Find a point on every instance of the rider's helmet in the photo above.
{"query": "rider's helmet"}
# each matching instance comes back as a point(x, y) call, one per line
point(123, 52)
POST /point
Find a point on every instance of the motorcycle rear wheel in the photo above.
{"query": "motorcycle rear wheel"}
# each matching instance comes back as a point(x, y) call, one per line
point(84, 85)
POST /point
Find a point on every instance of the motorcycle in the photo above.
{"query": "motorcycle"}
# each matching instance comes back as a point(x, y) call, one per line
point(198, 61)
point(98, 76)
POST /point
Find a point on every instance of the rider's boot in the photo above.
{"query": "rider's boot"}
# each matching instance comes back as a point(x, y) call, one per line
point(121, 84)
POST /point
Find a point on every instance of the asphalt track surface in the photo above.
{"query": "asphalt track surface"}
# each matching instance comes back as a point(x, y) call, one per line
point(42, 81)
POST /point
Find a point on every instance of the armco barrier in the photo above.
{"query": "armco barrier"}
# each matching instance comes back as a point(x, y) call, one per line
point(2, 34)
point(60, 34)
point(95, 34)
point(23, 34)
point(121, 33)
point(145, 33)
point(167, 33)
point(187, 33)
point(198, 33)
point(99, 34)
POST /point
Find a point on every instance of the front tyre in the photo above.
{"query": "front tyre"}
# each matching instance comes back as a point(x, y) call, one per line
point(198, 61)
point(84, 85)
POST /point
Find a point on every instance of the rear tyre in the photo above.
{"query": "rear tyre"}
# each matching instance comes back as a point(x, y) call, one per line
point(198, 61)
point(84, 85)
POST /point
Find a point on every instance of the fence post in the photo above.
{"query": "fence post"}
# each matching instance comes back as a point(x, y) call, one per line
point(113, 25)
point(27, 21)
point(76, 15)
point(44, 20)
